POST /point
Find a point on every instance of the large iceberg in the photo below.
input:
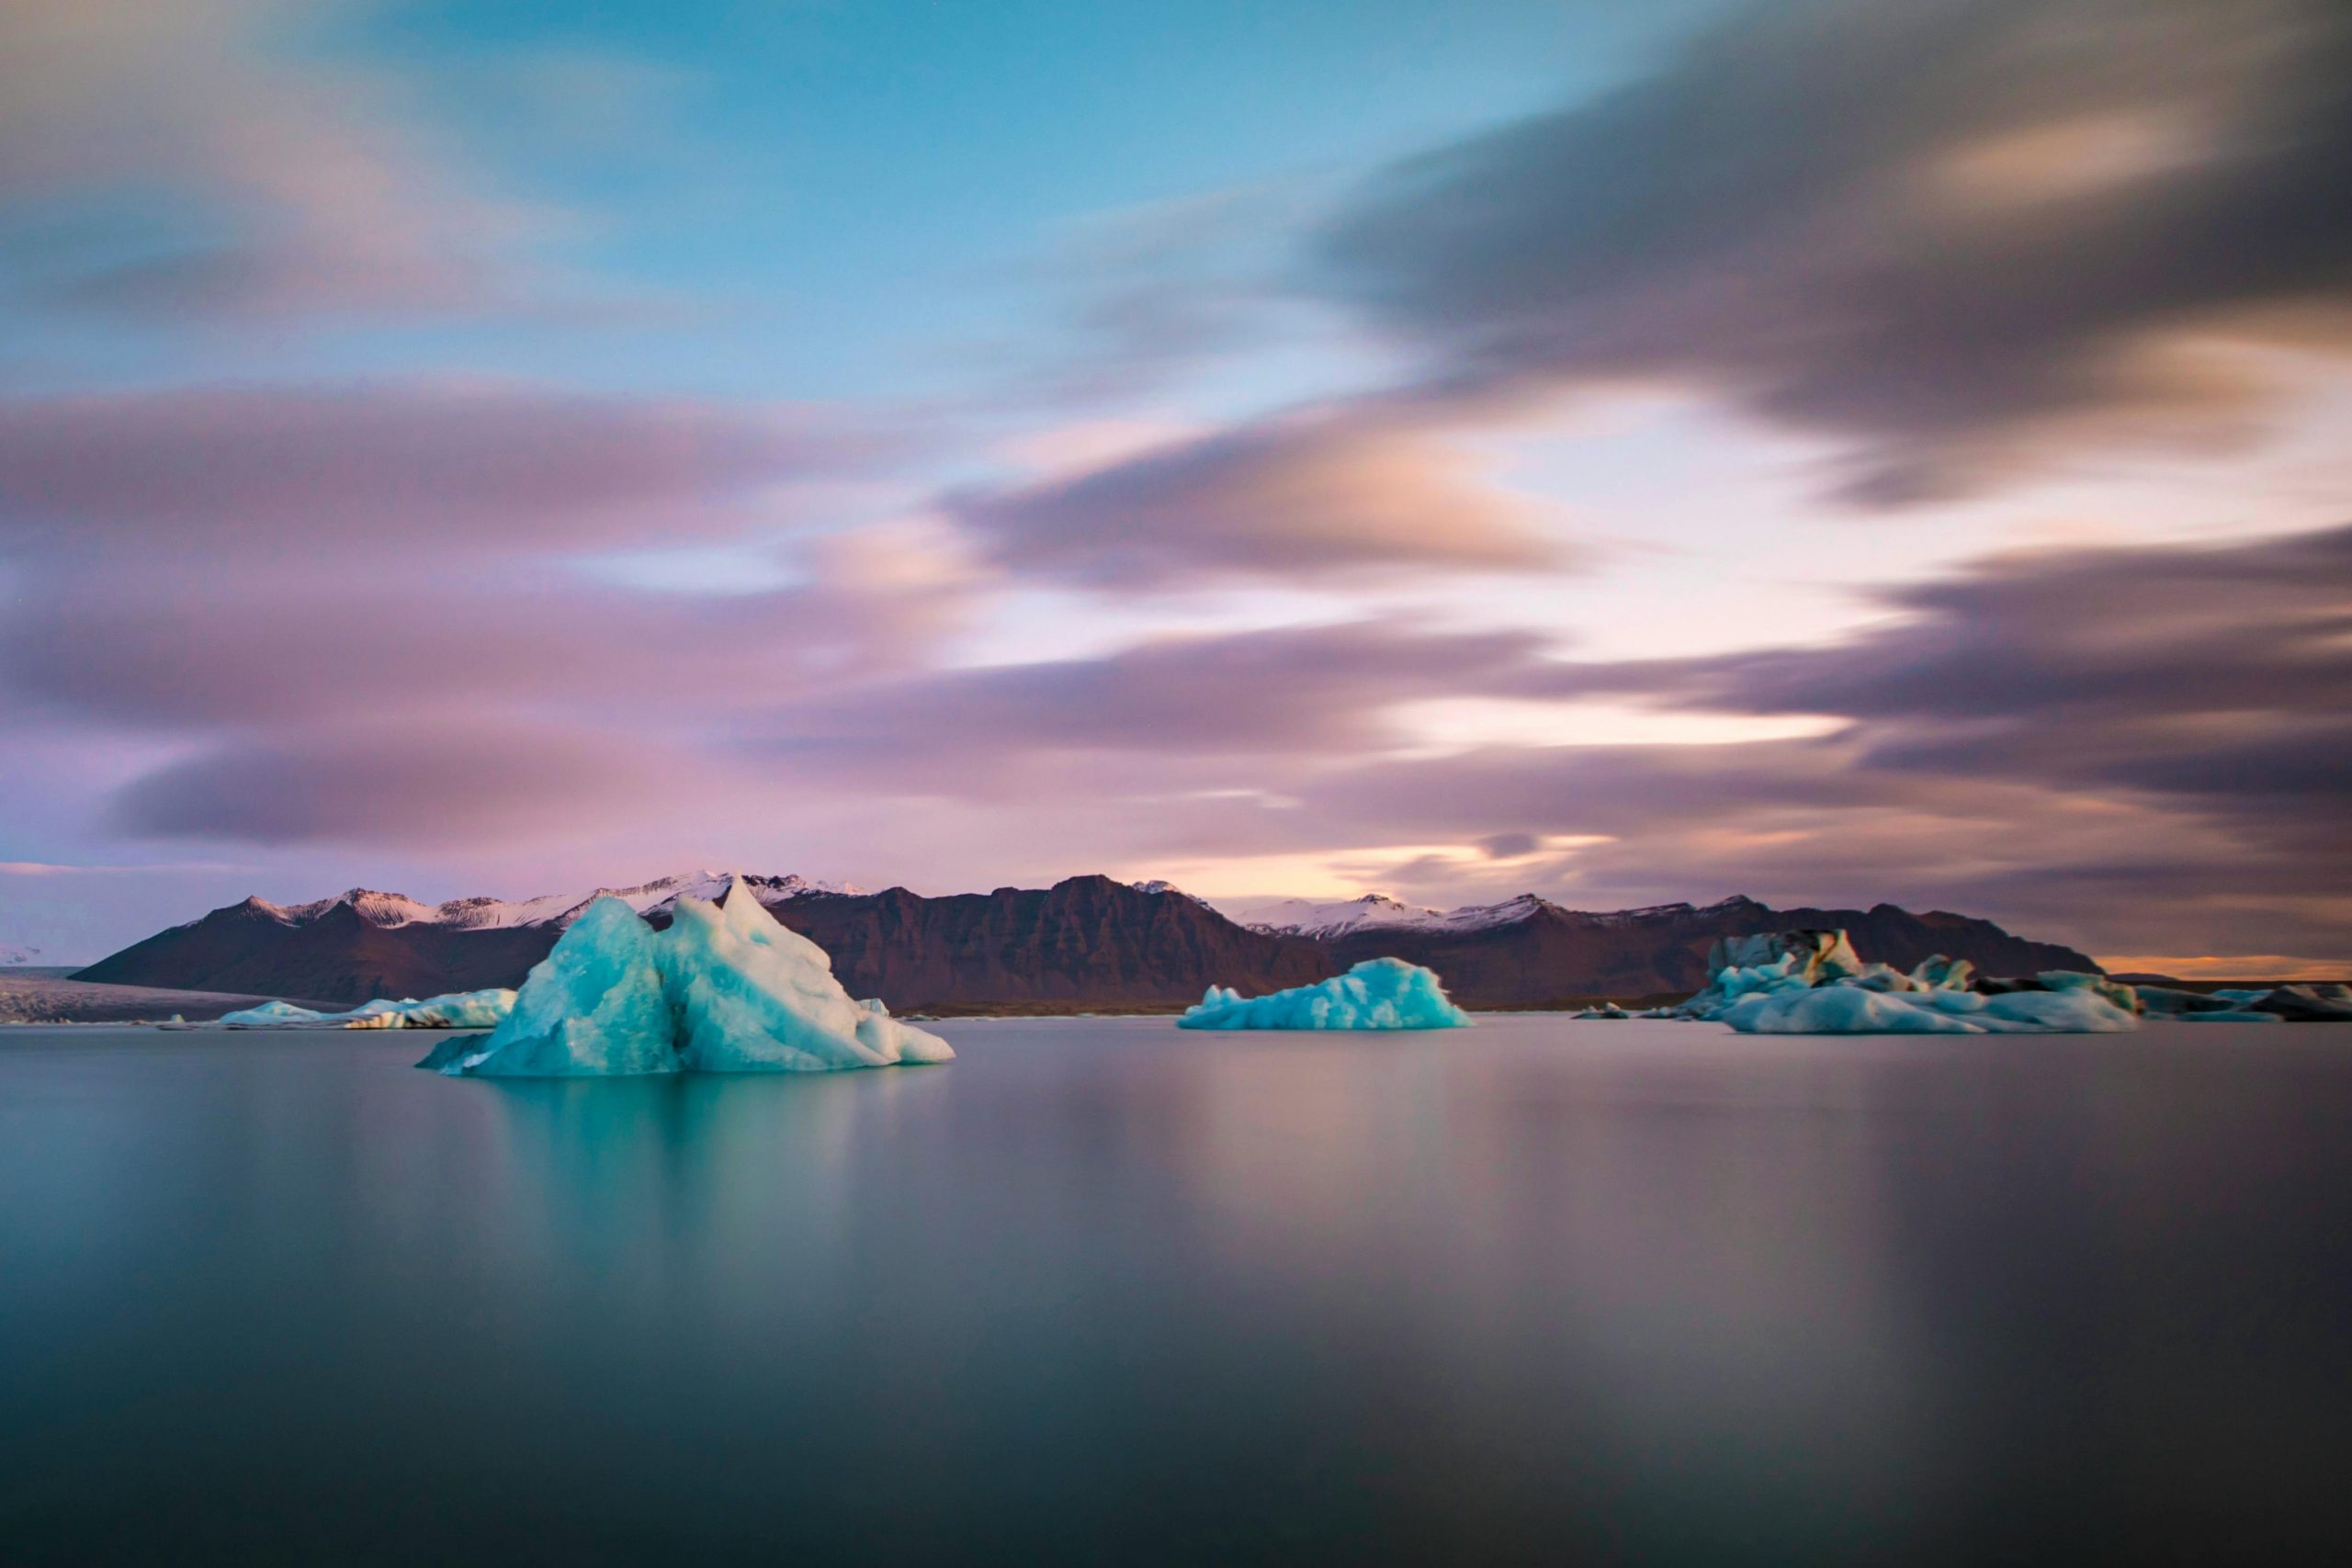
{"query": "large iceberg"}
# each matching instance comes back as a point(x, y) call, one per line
point(1812, 982)
point(1379, 993)
point(725, 989)
point(595, 1004)
point(458, 1009)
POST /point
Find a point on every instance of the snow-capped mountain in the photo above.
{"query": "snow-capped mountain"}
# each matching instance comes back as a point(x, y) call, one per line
point(1158, 885)
point(388, 910)
point(1086, 939)
point(1378, 911)
point(1083, 941)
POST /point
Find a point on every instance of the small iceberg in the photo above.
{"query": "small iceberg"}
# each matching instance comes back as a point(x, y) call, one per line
point(1379, 993)
point(458, 1009)
point(725, 989)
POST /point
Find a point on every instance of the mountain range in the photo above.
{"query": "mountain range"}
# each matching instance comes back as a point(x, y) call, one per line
point(1088, 940)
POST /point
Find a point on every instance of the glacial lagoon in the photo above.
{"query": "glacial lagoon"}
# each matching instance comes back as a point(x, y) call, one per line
point(1101, 1291)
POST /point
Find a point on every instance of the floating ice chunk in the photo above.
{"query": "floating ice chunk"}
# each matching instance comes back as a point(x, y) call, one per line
point(2308, 1004)
point(594, 1005)
point(458, 1009)
point(2165, 1001)
point(457, 1047)
point(725, 989)
point(273, 1015)
point(1812, 982)
point(2115, 991)
point(752, 996)
point(1841, 1009)
point(1855, 1010)
point(1940, 973)
point(1815, 957)
point(2285, 1004)
point(1379, 993)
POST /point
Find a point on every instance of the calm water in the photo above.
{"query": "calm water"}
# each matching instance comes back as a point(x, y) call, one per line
point(1102, 1292)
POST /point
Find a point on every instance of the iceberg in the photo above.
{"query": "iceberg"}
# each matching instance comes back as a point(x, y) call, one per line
point(275, 1015)
point(1379, 993)
point(1857, 1010)
point(1812, 982)
point(2277, 1004)
point(458, 1009)
point(593, 1005)
point(725, 989)
point(754, 997)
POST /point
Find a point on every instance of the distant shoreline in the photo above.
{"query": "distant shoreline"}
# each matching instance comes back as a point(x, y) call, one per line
point(44, 995)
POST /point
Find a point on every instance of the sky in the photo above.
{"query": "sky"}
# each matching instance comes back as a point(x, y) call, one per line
point(1837, 451)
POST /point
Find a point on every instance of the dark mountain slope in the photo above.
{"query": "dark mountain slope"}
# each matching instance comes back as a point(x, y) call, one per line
point(1084, 941)
point(1089, 939)
point(1553, 954)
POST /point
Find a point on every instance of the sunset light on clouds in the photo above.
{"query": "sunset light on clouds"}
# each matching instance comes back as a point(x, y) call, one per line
point(1829, 452)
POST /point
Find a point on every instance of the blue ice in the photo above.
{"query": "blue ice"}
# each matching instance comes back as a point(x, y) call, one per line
point(725, 989)
point(1379, 993)
point(458, 1009)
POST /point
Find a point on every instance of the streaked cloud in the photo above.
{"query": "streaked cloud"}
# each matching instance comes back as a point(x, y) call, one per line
point(1313, 495)
point(267, 182)
point(465, 467)
point(419, 786)
point(338, 525)
point(1962, 235)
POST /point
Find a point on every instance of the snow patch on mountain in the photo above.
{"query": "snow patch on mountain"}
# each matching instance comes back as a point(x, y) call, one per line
point(1378, 911)
point(1157, 886)
point(394, 910)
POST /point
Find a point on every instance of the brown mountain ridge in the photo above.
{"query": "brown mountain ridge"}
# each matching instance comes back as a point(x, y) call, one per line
point(1085, 941)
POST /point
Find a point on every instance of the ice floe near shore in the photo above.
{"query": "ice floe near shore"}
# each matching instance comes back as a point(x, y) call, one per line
point(1379, 993)
point(458, 1009)
point(725, 989)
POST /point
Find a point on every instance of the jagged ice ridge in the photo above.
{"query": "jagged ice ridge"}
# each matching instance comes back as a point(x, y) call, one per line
point(724, 989)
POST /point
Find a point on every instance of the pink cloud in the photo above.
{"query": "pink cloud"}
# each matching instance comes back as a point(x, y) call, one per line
point(391, 465)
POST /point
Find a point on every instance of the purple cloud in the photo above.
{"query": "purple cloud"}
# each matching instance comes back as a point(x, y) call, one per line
point(398, 785)
point(388, 469)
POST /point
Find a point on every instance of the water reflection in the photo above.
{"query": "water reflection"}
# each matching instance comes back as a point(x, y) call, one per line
point(1104, 1290)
